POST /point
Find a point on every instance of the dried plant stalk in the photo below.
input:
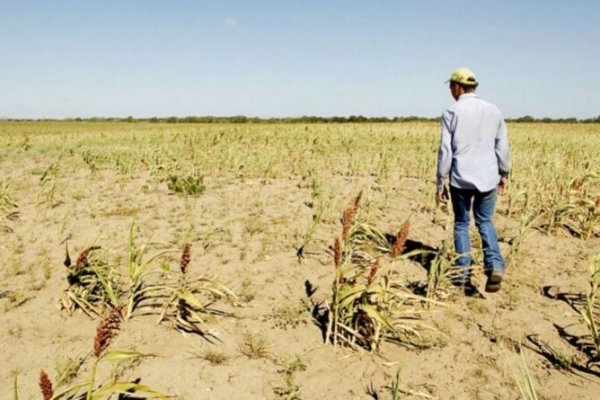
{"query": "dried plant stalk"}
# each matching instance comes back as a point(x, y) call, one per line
point(401, 237)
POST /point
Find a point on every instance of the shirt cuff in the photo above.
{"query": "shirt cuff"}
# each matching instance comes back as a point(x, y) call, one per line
point(440, 183)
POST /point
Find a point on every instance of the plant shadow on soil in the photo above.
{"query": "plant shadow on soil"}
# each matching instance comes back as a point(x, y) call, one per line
point(556, 359)
point(425, 258)
point(130, 395)
point(580, 343)
point(575, 300)
point(319, 313)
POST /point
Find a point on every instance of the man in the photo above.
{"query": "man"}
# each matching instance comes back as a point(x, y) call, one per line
point(474, 151)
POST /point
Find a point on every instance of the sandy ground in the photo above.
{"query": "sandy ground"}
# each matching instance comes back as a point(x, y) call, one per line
point(247, 233)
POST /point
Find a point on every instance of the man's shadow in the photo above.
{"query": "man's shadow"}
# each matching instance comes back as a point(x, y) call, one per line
point(425, 257)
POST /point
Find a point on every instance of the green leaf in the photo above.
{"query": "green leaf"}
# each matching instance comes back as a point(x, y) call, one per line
point(191, 299)
point(197, 317)
point(160, 254)
point(70, 391)
point(107, 287)
point(216, 287)
point(416, 253)
point(348, 291)
point(375, 315)
point(351, 331)
point(126, 388)
point(116, 355)
point(347, 296)
point(149, 289)
point(165, 266)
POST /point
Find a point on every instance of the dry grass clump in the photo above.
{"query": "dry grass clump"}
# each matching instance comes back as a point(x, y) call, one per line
point(214, 357)
point(255, 346)
point(289, 369)
point(288, 314)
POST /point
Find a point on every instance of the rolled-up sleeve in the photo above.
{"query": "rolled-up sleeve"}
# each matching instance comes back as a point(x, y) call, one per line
point(445, 150)
point(502, 150)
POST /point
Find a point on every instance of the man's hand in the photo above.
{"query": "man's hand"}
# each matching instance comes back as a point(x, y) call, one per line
point(502, 186)
point(442, 195)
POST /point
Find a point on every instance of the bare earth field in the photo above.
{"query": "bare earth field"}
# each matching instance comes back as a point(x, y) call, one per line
point(264, 226)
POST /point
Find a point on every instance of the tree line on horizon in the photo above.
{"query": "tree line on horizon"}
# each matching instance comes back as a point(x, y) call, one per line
point(242, 119)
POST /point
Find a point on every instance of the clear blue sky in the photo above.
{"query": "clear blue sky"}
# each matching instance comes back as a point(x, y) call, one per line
point(82, 58)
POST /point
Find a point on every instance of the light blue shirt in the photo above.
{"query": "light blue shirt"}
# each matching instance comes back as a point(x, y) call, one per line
point(474, 147)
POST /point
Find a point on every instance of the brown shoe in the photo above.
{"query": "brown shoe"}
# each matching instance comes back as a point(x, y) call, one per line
point(494, 282)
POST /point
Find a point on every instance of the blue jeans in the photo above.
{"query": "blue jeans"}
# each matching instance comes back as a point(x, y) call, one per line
point(483, 210)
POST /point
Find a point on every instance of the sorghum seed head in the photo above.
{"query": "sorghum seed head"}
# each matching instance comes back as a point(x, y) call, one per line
point(337, 252)
point(373, 272)
point(185, 257)
point(401, 237)
point(46, 385)
point(107, 329)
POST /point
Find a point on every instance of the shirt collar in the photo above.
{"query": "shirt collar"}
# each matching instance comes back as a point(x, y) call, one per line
point(468, 95)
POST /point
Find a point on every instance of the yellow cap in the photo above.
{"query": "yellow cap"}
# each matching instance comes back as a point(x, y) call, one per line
point(464, 76)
